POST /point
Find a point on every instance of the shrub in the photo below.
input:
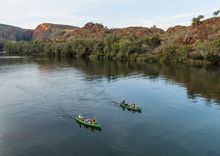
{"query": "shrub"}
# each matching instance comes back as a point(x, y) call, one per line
point(172, 54)
point(210, 50)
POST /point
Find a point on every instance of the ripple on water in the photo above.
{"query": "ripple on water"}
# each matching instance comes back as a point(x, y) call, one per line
point(39, 101)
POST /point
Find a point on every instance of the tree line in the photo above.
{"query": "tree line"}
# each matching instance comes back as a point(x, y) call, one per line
point(115, 47)
point(111, 47)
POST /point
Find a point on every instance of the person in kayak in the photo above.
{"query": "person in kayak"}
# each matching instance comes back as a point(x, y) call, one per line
point(81, 117)
point(88, 120)
point(93, 120)
point(123, 102)
point(133, 105)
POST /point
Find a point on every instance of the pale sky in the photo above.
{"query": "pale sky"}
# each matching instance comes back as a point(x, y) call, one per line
point(111, 13)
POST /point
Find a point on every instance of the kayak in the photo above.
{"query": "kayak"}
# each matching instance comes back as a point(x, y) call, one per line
point(80, 120)
point(125, 105)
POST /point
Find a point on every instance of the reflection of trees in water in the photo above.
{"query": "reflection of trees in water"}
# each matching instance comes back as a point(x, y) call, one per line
point(202, 80)
point(199, 80)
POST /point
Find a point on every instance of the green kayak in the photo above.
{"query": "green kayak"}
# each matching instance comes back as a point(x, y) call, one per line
point(82, 121)
point(129, 107)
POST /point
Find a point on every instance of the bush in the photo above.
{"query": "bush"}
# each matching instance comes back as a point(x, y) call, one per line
point(111, 47)
point(172, 54)
point(210, 51)
point(152, 42)
point(167, 54)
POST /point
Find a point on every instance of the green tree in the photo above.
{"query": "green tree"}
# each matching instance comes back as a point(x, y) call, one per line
point(126, 48)
point(68, 50)
point(197, 20)
point(111, 46)
point(209, 50)
point(216, 13)
point(98, 49)
point(200, 17)
point(80, 48)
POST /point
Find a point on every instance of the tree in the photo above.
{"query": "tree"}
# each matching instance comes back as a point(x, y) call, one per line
point(197, 20)
point(80, 48)
point(126, 47)
point(200, 17)
point(215, 13)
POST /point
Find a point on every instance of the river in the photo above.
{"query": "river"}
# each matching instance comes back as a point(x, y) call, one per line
point(39, 99)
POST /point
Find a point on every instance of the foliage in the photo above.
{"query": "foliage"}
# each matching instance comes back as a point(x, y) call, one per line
point(200, 17)
point(216, 13)
point(197, 20)
point(115, 47)
point(171, 54)
point(210, 50)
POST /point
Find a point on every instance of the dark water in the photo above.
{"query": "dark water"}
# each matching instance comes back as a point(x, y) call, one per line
point(40, 98)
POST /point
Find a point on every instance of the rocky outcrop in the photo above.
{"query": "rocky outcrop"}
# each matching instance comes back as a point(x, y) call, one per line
point(51, 31)
point(206, 30)
point(95, 30)
point(176, 29)
point(138, 31)
point(89, 30)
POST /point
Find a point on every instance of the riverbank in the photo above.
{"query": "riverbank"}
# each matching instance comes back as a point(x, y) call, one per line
point(117, 48)
point(198, 43)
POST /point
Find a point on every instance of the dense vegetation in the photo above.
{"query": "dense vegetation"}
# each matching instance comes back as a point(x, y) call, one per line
point(210, 51)
point(111, 47)
point(114, 47)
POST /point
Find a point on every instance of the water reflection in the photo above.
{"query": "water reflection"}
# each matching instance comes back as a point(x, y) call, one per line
point(200, 81)
point(39, 97)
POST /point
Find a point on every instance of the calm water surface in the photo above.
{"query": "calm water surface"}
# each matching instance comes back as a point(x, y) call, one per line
point(39, 99)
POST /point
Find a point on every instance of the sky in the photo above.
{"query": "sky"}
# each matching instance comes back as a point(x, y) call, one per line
point(111, 13)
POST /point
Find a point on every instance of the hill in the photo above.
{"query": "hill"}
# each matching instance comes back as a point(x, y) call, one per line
point(51, 31)
point(8, 32)
point(56, 32)
point(205, 30)
point(208, 29)
point(199, 42)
